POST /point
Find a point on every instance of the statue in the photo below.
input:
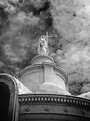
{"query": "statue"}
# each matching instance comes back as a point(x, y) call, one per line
point(43, 45)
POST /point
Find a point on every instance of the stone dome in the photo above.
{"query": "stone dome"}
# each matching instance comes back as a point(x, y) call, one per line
point(43, 76)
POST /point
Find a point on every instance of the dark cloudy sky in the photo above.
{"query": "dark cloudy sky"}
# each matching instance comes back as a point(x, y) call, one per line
point(22, 22)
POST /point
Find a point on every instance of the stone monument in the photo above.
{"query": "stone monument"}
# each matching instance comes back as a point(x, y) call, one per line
point(41, 94)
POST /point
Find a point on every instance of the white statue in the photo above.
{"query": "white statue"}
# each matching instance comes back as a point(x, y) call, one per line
point(43, 45)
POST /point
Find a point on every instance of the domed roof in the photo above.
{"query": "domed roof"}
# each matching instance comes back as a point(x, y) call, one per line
point(43, 76)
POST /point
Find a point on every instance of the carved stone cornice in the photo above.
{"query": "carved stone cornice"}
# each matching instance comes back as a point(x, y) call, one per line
point(54, 100)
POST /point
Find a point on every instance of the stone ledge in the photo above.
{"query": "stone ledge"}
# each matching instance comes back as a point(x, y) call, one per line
point(54, 99)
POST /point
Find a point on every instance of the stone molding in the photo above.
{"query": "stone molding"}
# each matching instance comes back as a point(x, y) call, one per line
point(54, 99)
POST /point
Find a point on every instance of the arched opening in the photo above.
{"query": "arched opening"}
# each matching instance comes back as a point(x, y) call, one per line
point(4, 101)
